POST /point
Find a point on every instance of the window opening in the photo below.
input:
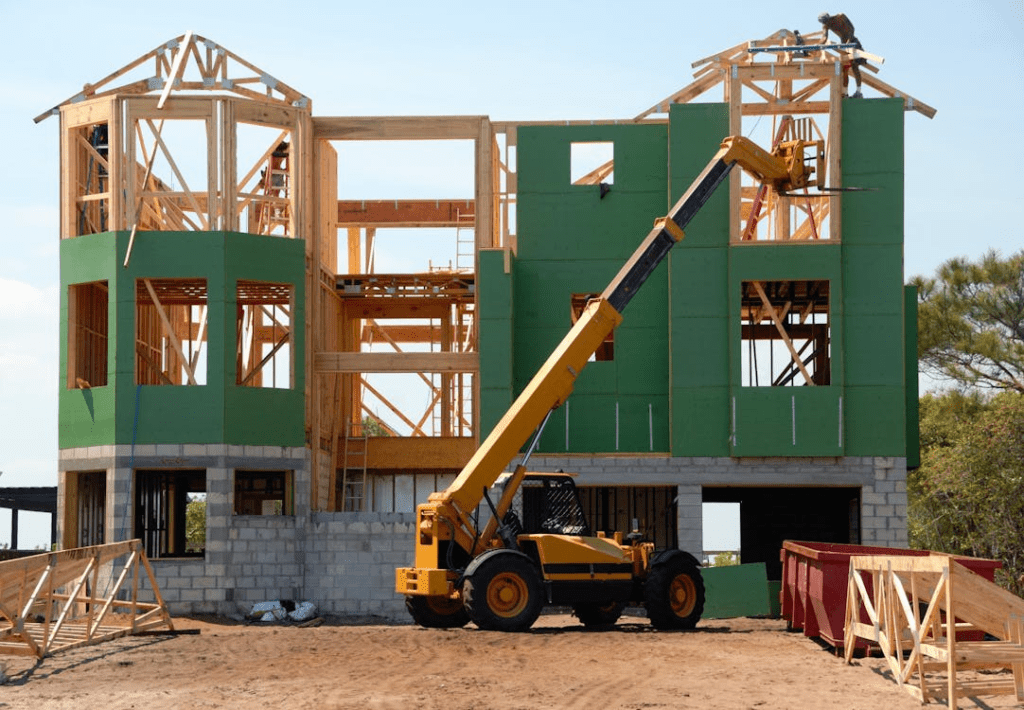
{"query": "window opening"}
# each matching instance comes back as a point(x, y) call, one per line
point(263, 356)
point(606, 351)
point(87, 335)
point(264, 493)
point(264, 166)
point(170, 512)
point(592, 163)
point(170, 330)
point(785, 333)
point(92, 189)
point(721, 532)
point(86, 493)
point(172, 179)
point(799, 215)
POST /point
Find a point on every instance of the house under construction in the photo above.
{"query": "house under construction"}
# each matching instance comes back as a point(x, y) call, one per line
point(228, 336)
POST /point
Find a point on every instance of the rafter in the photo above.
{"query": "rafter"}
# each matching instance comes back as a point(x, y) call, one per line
point(180, 66)
point(782, 56)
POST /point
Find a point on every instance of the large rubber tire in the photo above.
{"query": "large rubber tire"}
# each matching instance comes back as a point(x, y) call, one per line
point(674, 595)
point(596, 616)
point(437, 612)
point(504, 593)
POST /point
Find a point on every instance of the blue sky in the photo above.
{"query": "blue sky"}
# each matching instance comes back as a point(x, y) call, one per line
point(522, 61)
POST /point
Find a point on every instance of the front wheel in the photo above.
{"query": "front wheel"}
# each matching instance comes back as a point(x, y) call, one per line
point(674, 595)
point(504, 593)
point(437, 612)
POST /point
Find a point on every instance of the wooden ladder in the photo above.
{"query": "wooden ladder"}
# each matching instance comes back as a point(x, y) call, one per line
point(465, 242)
point(353, 474)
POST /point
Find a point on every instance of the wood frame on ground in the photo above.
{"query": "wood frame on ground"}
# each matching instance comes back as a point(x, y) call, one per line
point(61, 600)
point(917, 607)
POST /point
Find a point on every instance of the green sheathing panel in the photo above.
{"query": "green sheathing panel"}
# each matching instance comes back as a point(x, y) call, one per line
point(875, 367)
point(260, 415)
point(699, 298)
point(735, 590)
point(494, 337)
point(910, 363)
point(217, 412)
point(786, 421)
point(171, 414)
point(86, 416)
point(570, 240)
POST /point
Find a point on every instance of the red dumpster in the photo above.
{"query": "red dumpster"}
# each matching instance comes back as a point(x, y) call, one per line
point(814, 585)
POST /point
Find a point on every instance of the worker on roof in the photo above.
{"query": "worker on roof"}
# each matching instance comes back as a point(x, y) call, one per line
point(843, 28)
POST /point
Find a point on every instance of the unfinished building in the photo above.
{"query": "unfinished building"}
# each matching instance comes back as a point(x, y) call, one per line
point(236, 361)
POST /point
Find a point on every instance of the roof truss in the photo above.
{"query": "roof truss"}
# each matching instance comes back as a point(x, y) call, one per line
point(189, 62)
point(783, 56)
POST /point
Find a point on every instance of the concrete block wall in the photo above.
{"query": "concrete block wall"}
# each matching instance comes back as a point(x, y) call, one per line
point(351, 560)
point(345, 562)
point(884, 504)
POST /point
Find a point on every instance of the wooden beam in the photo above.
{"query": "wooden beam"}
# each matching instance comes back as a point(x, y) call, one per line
point(396, 362)
point(382, 308)
point(406, 333)
point(911, 104)
point(405, 213)
point(407, 128)
point(418, 453)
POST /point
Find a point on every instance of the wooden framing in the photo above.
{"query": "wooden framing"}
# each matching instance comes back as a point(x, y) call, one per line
point(189, 63)
point(131, 142)
point(61, 600)
point(785, 76)
point(286, 185)
point(405, 213)
point(366, 305)
point(916, 609)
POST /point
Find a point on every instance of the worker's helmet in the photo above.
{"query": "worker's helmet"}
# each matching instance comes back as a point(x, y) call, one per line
point(823, 18)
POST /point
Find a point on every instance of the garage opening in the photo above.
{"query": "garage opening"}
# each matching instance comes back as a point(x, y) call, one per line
point(769, 516)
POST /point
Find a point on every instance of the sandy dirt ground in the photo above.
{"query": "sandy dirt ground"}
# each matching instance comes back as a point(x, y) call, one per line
point(737, 663)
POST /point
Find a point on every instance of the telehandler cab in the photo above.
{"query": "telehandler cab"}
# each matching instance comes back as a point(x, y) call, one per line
point(500, 576)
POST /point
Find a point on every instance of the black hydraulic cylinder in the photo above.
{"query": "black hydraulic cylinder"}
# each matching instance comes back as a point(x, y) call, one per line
point(659, 242)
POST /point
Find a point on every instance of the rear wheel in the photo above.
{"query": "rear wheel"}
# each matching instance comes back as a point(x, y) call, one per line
point(598, 615)
point(503, 594)
point(674, 595)
point(437, 612)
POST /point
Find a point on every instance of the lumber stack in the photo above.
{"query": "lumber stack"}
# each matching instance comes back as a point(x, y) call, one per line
point(916, 607)
point(60, 600)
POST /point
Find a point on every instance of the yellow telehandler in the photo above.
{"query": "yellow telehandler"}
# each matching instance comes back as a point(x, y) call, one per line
point(500, 575)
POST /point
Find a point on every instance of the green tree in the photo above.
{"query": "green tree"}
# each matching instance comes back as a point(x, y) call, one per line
point(374, 427)
point(971, 321)
point(195, 524)
point(726, 559)
point(968, 496)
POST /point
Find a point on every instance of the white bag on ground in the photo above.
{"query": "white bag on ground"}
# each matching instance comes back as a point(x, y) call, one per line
point(303, 612)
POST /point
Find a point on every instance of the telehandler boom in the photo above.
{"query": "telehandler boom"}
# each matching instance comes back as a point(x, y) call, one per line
point(502, 575)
